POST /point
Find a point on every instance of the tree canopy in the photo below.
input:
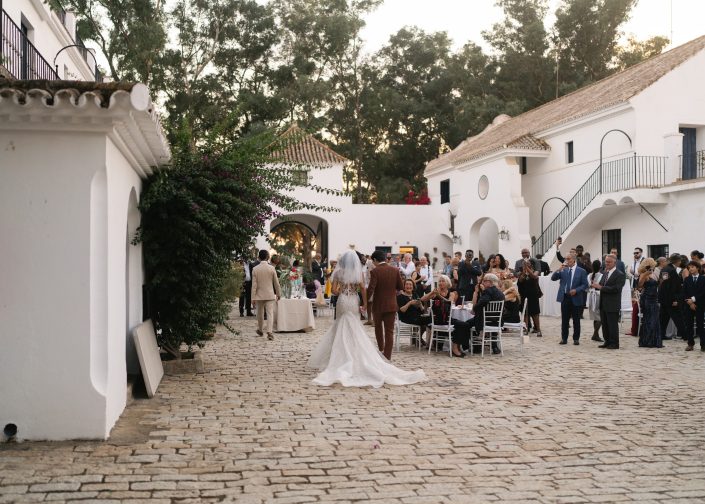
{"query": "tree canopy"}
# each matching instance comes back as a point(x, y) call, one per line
point(272, 64)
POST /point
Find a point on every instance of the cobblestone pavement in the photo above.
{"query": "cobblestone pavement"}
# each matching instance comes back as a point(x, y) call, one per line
point(556, 424)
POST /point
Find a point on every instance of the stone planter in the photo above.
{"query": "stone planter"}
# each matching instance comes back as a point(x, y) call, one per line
point(190, 363)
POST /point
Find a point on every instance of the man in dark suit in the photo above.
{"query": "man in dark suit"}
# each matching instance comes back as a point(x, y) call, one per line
point(468, 271)
point(245, 301)
point(670, 295)
point(694, 305)
point(610, 287)
point(572, 293)
point(385, 282)
point(526, 257)
point(316, 269)
point(545, 268)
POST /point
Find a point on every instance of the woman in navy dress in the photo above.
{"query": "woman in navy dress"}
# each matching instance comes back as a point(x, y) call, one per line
point(650, 332)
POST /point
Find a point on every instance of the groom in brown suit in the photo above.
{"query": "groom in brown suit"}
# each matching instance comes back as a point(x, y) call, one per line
point(385, 281)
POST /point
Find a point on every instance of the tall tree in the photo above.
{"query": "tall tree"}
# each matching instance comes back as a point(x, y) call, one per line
point(522, 70)
point(636, 51)
point(130, 33)
point(586, 35)
point(407, 110)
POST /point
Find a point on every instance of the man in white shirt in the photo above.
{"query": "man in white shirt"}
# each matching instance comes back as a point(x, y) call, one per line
point(634, 267)
point(407, 267)
point(426, 274)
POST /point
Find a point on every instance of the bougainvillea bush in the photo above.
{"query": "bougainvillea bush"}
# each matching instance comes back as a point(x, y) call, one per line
point(197, 216)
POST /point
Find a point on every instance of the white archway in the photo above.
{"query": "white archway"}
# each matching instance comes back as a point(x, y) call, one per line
point(484, 237)
point(313, 226)
point(133, 284)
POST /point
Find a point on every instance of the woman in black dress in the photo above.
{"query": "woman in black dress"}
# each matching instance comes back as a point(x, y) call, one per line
point(512, 303)
point(411, 308)
point(529, 290)
point(442, 299)
point(650, 330)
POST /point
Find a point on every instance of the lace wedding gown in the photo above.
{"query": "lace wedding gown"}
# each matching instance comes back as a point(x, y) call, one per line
point(347, 355)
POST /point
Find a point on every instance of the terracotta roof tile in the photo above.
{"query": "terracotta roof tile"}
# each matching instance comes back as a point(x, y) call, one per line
point(520, 131)
point(299, 147)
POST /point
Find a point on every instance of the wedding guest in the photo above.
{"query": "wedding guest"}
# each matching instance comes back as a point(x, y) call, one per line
point(486, 291)
point(500, 267)
point(426, 275)
point(442, 300)
point(454, 275)
point(265, 292)
point(416, 278)
point(670, 292)
point(447, 265)
point(411, 308)
point(661, 263)
point(526, 257)
point(317, 269)
point(245, 300)
point(610, 288)
point(571, 294)
point(698, 256)
point(633, 271)
point(620, 264)
point(545, 268)
point(530, 291)
point(593, 300)
point(468, 271)
point(581, 260)
point(647, 283)
point(512, 302)
point(694, 305)
point(407, 267)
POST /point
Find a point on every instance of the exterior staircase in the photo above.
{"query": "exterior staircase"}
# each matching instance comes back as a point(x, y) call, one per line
point(631, 172)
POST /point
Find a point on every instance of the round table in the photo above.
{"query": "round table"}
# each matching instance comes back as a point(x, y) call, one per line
point(294, 315)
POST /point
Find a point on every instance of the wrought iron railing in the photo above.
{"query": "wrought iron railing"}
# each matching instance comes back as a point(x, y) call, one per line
point(633, 172)
point(19, 56)
point(618, 175)
point(692, 166)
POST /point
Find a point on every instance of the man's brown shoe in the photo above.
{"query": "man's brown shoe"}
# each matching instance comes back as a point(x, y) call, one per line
point(259, 332)
point(270, 336)
point(689, 348)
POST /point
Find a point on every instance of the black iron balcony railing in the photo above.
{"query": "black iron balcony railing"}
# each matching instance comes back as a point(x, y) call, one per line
point(19, 56)
point(631, 172)
point(692, 166)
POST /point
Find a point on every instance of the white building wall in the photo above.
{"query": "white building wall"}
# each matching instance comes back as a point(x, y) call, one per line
point(49, 388)
point(49, 35)
point(554, 177)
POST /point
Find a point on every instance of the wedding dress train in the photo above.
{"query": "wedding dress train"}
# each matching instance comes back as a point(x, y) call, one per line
point(348, 356)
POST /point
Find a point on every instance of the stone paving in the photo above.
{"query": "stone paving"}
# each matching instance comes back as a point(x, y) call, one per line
point(557, 424)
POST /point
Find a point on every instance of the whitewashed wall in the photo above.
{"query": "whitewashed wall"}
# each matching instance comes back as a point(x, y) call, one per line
point(49, 35)
point(53, 385)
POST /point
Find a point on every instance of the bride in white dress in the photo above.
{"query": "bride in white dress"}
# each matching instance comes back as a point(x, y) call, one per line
point(346, 354)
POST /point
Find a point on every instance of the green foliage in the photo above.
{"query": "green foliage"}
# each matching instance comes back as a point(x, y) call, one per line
point(198, 215)
point(261, 64)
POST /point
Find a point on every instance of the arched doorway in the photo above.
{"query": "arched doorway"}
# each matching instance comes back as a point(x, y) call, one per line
point(299, 235)
point(484, 237)
point(133, 284)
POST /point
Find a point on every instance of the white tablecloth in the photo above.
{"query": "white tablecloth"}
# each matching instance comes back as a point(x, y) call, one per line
point(551, 308)
point(294, 315)
point(548, 304)
point(462, 314)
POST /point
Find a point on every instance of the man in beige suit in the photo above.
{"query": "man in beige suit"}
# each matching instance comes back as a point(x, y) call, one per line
point(265, 292)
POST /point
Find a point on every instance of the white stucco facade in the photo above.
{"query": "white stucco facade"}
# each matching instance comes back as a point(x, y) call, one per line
point(70, 180)
point(651, 119)
point(49, 34)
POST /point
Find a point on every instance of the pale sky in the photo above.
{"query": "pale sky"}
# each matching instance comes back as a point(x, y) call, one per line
point(465, 19)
